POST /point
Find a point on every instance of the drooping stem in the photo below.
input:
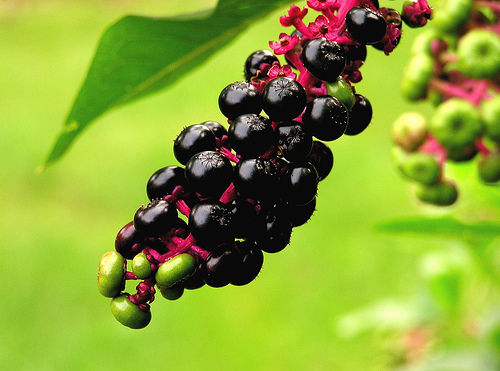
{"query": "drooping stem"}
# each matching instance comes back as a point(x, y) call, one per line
point(493, 5)
point(183, 207)
point(204, 254)
point(228, 154)
point(295, 60)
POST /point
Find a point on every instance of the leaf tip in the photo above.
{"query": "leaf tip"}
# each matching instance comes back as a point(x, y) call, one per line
point(40, 169)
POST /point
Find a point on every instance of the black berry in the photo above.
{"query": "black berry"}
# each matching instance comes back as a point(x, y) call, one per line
point(249, 263)
point(239, 98)
point(294, 141)
point(283, 99)
point(163, 181)
point(326, 117)
point(255, 60)
point(324, 59)
point(220, 267)
point(191, 140)
point(257, 178)
point(365, 25)
point(300, 214)
point(216, 128)
point(128, 241)
point(250, 135)
point(322, 158)
point(209, 173)
point(156, 218)
point(301, 184)
point(277, 232)
point(211, 224)
point(359, 116)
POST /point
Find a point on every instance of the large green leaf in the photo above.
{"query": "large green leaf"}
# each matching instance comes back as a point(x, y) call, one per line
point(140, 55)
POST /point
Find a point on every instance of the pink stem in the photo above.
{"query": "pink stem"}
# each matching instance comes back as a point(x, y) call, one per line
point(344, 9)
point(228, 195)
point(130, 276)
point(479, 92)
point(482, 148)
point(449, 89)
point(204, 254)
point(155, 254)
point(183, 207)
point(307, 80)
point(329, 14)
point(495, 6)
point(295, 60)
point(229, 155)
point(302, 28)
point(432, 147)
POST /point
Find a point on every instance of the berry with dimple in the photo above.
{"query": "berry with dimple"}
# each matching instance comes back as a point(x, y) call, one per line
point(360, 116)
point(256, 60)
point(326, 117)
point(163, 181)
point(324, 59)
point(211, 224)
point(128, 241)
point(449, 15)
point(209, 173)
point(410, 131)
point(341, 90)
point(478, 54)
point(175, 270)
point(248, 263)
point(155, 218)
point(489, 168)
point(441, 194)
point(191, 140)
point(293, 140)
point(239, 98)
point(321, 157)
point(216, 128)
point(250, 135)
point(490, 114)
point(283, 99)
point(365, 25)
point(257, 178)
point(301, 184)
point(220, 267)
point(276, 233)
point(110, 274)
point(129, 314)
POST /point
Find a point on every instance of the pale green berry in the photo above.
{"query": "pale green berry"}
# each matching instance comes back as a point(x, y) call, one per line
point(175, 270)
point(129, 314)
point(110, 274)
point(441, 194)
point(410, 131)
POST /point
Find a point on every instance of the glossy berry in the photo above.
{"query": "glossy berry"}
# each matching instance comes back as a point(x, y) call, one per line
point(321, 157)
point(300, 214)
point(355, 53)
point(478, 54)
point(171, 293)
point(326, 117)
point(365, 25)
point(245, 219)
point(360, 116)
point(209, 173)
point(250, 135)
point(141, 266)
point(248, 263)
point(129, 314)
point(211, 224)
point(276, 233)
point(324, 59)
point(163, 181)
point(301, 184)
point(293, 140)
point(255, 60)
point(341, 90)
point(191, 140)
point(175, 270)
point(239, 98)
point(216, 128)
point(197, 279)
point(391, 16)
point(155, 218)
point(128, 241)
point(110, 274)
point(283, 99)
point(257, 179)
point(220, 267)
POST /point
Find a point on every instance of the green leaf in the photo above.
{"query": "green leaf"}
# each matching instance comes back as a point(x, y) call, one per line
point(442, 226)
point(140, 55)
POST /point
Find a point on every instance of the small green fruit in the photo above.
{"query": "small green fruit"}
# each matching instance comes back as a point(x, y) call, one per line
point(461, 154)
point(175, 270)
point(416, 77)
point(110, 274)
point(422, 43)
point(421, 167)
point(490, 113)
point(409, 131)
point(450, 15)
point(441, 194)
point(141, 266)
point(478, 54)
point(343, 92)
point(171, 293)
point(489, 168)
point(129, 314)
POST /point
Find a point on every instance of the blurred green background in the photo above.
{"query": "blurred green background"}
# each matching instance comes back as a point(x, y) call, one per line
point(56, 225)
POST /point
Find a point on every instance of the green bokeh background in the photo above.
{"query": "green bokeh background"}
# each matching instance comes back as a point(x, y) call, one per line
point(55, 226)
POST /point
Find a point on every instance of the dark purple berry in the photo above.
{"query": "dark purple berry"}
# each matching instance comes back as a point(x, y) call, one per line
point(294, 141)
point(391, 16)
point(300, 214)
point(257, 178)
point(322, 158)
point(216, 128)
point(276, 234)
point(249, 263)
point(245, 219)
point(301, 184)
point(283, 99)
point(355, 53)
point(326, 117)
point(239, 98)
point(156, 218)
point(324, 59)
point(255, 60)
point(128, 241)
point(163, 181)
point(211, 224)
point(250, 135)
point(365, 25)
point(191, 140)
point(197, 280)
point(220, 267)
point(359, 116)
point(209, 173)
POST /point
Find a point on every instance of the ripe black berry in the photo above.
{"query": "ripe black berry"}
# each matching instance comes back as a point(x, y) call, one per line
point(322, 158)
point(283, 99)
point(324, 59)
point(294, 141)
point(191, 140)
point(365, 25)
point(209, 173)
point(249, 263)
point(197, 280)
point(355, 53)
point(128, 241)
point(220, 267)
point(250, 135)
point(359, 116)
point(155, 218)
point(163, 181)
point(300, 214)
point(301, 184)
point(239, 98)
point(277, 232)
point(211, 224)
point(216, 128)
point(326, 117)
point(257, 178)
point(245, 219)
point(255, 60)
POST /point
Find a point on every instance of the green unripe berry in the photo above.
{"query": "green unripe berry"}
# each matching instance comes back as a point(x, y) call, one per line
point(343, 92)
point(490, 113)
point(171, 293)
point(489, 168)
point(421, 167)
point(456, 124)
point(409, 131)
point(461, 154)
point(450, 15)
point(422, 43)
point(110, 274)
point(416, 77)
point(129, 314)
point(398, 155)
point(478, 54)
point(435, 97)
point(141, 266)
point(441, 194)
point(175, 270)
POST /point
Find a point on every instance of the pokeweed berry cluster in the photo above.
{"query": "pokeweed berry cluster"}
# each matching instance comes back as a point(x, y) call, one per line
point(243, 189)
point(456, 66)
